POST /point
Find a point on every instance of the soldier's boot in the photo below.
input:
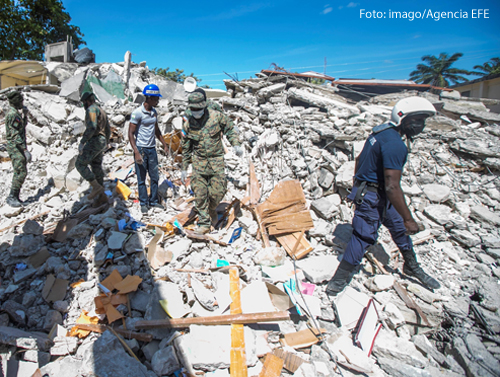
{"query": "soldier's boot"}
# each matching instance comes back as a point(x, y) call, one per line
point(13, 199)
point(100, 200)
point(341, 279)
point(412, 268)
point(213, 216)
point(202, 229)
point(97, 189)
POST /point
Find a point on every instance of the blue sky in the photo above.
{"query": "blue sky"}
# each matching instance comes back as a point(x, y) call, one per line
point(210, 37)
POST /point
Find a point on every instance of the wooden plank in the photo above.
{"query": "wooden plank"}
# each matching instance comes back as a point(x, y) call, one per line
point(238, 366)
point(272, 366)
point(23, 221)
point(288, 242)
point(302, 339)
point(254, 186)
point(125, 333)
point(225, 319)
point(202, 237)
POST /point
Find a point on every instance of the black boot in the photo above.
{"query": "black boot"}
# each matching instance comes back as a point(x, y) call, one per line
point(13, 199)
point(341, 279)
point(412, 268)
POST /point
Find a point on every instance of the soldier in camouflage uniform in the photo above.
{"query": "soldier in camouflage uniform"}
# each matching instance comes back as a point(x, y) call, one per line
point(91, 149)
point(202, 146)
point(15, 127)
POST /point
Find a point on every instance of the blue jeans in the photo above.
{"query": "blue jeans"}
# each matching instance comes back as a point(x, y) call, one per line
point(149, 165)
point(367, 219)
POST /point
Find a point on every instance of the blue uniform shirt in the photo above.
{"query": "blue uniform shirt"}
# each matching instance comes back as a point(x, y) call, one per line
point(383, 150)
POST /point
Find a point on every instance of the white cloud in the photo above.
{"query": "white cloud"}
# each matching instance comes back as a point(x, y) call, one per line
point(327, 10)
point(352, 5)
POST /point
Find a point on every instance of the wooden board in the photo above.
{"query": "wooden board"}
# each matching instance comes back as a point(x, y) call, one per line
point(238, 366)
point(288, 242)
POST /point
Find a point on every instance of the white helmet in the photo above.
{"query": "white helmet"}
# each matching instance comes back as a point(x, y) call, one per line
point(411, 106)
point(189, 84)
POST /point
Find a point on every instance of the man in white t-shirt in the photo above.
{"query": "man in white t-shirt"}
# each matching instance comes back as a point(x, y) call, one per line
point(142, 132)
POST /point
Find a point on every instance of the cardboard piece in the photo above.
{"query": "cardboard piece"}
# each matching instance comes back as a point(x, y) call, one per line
point(129, 284)
point(272, 366)
point(83, 319)
point(279, 298)
point(292, 362)
point(157, 256)
point(302, 339)
point(106, 305)
point(54, 289)
point(368, 328)
point(40, 257)
point(113, 279)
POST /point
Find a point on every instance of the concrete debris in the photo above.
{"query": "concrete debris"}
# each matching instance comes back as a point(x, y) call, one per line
point(56, 250)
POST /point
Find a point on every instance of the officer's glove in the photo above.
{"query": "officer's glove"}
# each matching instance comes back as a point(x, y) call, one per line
point(27, 154)
point(238, 150)
point(184, 175)
point(80, 148)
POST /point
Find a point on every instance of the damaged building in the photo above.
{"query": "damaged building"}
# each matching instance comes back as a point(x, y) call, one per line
point(110, 291)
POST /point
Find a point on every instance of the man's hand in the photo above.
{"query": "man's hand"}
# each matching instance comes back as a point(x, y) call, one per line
point(138, 158)
point(165, 148)
point(25, 111)
point(238, 150)
point(411, 227)
point(27, 154)
point(184, 175)
point(80, 148)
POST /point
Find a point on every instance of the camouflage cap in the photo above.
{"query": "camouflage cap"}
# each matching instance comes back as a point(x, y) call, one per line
point(14, 95)
point(196, 101)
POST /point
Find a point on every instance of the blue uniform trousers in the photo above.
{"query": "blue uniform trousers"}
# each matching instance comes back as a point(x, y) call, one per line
point(367, 219)
point(150, 166)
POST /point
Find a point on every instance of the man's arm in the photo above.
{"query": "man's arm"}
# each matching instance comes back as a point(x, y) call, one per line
point(90, 125)
point(186, 147)
point(159, 136)
point(228, 130)
point(396, 197)
point(131, 137)
point(16, 127)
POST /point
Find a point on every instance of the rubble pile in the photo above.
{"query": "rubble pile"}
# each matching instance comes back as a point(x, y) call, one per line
point(76, 280)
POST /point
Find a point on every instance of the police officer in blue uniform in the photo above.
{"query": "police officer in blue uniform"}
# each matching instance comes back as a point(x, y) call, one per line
point(377, 193)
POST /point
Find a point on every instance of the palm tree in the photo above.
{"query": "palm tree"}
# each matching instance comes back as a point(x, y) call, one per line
point(491, 67)
point(438, 72)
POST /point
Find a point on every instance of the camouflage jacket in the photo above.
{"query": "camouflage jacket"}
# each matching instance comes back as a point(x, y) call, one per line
point(96, 123)
point(15, 129)
point(210, 104)
point(202, 142)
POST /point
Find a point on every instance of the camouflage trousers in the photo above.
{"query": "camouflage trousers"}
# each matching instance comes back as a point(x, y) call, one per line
point(19, 167)
point(92, 155)
point(208, 191)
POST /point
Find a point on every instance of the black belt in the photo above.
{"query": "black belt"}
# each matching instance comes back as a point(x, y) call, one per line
point(363, 187)
point(370, 186)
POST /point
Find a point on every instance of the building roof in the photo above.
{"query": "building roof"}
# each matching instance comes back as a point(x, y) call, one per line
point(484, 78)
point(308, 74)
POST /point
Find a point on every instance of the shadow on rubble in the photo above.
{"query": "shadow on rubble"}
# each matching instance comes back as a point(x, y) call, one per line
point(59, 272)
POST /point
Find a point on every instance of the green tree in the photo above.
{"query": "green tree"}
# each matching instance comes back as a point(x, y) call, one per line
point(491, 67)
point(438, 72)
point(177, 75)
point(28, 25)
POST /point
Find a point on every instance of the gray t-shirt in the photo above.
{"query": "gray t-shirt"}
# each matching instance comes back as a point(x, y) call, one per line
point(145, 131)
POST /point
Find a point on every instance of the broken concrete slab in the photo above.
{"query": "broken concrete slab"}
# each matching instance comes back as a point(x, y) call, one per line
point(319, 269)
point(24, 339)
